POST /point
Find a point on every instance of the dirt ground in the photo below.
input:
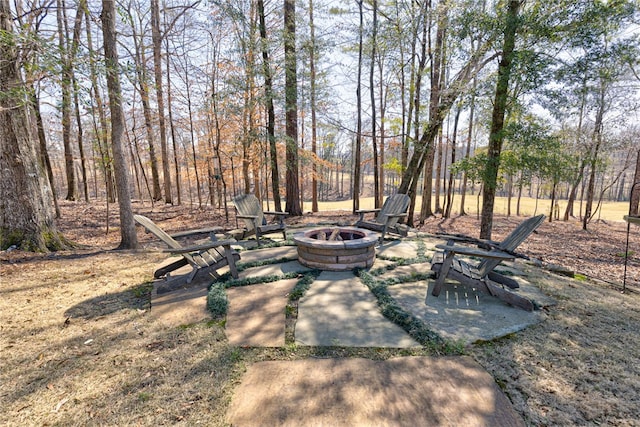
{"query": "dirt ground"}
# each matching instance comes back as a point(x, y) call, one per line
point(78, 346)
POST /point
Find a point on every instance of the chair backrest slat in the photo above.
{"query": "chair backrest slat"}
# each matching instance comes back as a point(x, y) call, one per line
point(511, 242)
point(394, 204)
point(160, 234)
point(248, 204)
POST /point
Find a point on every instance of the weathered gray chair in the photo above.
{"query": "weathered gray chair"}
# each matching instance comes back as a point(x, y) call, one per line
point(203, 258)
point(386, 218)
point(482, 276)
point(250, 211)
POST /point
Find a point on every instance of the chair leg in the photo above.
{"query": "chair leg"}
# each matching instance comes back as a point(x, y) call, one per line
point(442, 274)
point(169, 268)
point(192, 274)
point(384, 231)
point(231, 262)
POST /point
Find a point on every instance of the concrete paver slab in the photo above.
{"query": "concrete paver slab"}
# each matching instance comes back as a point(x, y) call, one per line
point(399, 249)
point(269, 253)
point(338, 310)
point(461, 313)
point(406, 391)
point(274, 269)
point(407, 270)
point(256, 314)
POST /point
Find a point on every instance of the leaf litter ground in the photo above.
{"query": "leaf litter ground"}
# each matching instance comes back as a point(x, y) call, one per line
point(78, 346)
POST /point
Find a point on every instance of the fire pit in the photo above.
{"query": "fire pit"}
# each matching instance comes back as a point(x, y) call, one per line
point(336, 249)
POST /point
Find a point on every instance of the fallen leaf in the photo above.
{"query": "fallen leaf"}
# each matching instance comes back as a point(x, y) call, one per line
point(59, 405)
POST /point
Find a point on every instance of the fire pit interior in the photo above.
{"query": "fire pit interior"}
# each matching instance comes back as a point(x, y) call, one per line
point(336, 249)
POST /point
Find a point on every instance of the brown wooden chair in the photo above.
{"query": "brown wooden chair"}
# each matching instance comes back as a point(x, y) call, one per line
point(249, 209)
point(203, 258)
point(386, 218)
point(482, 276)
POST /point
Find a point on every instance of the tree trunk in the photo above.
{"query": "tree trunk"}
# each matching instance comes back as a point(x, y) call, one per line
point(77, 27)
point(271, 115)
point(143, 89)
point(449, 200)
point(44, 153)
point(156, 37)
point(497, 119)
point(635, 194)
point(291, 109)
point(439, 165)
point(314, 124)
point(65, 89)
point(174, 144)
point(101, 129)
point(192, 137)
point(372, 94)
point(129, 239)
point(593, 161)
point(26, 201)
point(358, 142)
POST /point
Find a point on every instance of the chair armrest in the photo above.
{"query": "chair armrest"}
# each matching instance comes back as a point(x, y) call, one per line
point(247, 216)
point(398, 215)
point(365, 211)
point(362, 212)
point(276, 213)
point(465, 250)
point(468, 239)
point(279, 215)
point(196, 232)
point(210, 245)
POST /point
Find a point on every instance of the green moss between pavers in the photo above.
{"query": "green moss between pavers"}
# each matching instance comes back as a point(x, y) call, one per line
point(241, 266)
point(407, 321)
point(218, 303)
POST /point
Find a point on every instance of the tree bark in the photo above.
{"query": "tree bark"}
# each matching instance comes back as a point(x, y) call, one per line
point(129, 239)
point(593, 160)
point(156, 37)
point(635, 194)
point(77, 27)
point(372, 93)
point(358, 142)
point(101, 129)
point(65, 88)
point(44, 153)
point(174, 144)
point(26, 201)
point(291, 110)
point(143, 89)
point(271, 115)
point(314, 125)
point(497, 119)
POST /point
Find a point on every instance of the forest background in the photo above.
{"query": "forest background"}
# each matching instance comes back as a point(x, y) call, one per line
point(179, 102)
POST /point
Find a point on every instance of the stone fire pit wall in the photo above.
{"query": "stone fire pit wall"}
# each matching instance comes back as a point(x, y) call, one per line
point(353, 248)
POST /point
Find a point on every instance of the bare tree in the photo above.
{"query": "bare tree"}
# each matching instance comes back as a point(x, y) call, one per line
point(65, 85)
point(291, 110)
point(156, 37)
point(129, 239)
point(271, 114)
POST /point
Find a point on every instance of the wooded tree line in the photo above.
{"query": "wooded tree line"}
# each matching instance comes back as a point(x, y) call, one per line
point(314, 100)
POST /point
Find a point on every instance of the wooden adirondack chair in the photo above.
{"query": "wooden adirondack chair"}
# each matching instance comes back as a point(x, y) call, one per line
point(482, 276)
point(203, 258)
point(250, 211)
point(386, 219)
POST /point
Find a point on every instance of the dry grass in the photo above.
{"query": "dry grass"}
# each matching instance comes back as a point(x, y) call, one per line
point(79, 346)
